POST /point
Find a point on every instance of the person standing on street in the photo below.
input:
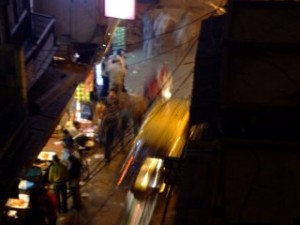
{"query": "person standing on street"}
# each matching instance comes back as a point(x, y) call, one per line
point(58, 177)
point(74, 169)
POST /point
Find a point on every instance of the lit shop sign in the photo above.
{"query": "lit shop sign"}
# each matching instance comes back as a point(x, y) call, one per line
point(99, 80)
point(121, 9)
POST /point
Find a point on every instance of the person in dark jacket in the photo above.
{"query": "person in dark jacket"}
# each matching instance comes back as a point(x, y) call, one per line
point(75, 167)
point(110, 123)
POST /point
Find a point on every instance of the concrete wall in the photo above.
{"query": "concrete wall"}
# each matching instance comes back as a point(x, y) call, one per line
point(76, 20)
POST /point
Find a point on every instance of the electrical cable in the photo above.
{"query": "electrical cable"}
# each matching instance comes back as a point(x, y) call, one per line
point(94, 172)
point(154, 36)
point(169, 31)
point(162, 53)
point(156, 97)
point(187, 77)
point(174, 71)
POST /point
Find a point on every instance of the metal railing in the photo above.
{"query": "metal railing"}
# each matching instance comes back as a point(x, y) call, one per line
point(41, 46)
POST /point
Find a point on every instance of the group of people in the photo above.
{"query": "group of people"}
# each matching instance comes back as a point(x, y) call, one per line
point(109, 125)
point(62, 177)
point(121, 110)
point(114, 70)
point(119, 114)
point(65, 172)
point(49, 196)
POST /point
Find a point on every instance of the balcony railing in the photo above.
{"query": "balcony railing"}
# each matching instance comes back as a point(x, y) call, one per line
point(40, 48)
point(35, 34)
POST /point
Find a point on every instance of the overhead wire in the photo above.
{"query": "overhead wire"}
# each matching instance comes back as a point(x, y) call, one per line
point(156, 97)
point(164, 84)
point(130, 140)
point(176, 68)
point(154, 36)
point(169, 31)
point(185, 79)
point(101, 164)
point(162, 53)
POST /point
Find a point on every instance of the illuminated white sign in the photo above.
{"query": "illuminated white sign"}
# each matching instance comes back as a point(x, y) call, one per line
point(121, 9)
point(99, 79)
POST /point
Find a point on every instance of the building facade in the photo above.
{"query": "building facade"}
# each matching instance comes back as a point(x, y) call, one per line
point(35, 89)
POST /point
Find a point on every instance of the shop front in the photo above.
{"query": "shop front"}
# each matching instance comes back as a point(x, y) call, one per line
point(78, 111)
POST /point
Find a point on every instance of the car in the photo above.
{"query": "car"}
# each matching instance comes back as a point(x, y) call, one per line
point(162, 134)
point(149, 177)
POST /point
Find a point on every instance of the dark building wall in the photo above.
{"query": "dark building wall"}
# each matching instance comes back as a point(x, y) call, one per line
point(13, 98)
point(258, 184)
point(252, 174)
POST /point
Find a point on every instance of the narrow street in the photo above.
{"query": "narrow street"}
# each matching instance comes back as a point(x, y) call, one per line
point(104, 202)
point(226, 158)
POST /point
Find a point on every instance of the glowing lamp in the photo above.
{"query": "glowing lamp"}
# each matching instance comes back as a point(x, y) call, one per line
point(121, 9)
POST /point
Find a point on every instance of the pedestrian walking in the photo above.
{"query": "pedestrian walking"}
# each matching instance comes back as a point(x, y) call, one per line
point(116, 73)
point(148, 34)
point(125, 117)
point(110, 124)
point(58, 177)
point(74, 181)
